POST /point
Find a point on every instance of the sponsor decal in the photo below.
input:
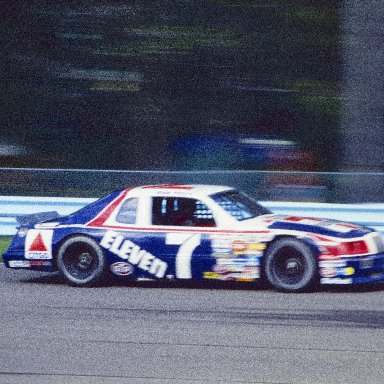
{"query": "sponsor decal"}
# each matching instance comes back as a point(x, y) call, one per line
point(239, 247)
point(332, 263)
point(239, 269)
point(333, 280)
point(38, 244)
point(29, 263)
point(244, 279)
point(121, 268)
point(332, 271)
point(222, 254)
point(255, 248)
point(221, 246)
point(325, 257)
point(249, 248)
point(211, 275)
point(328, 272)
point(19, 264)
point(128, 250)
point(40, 263)
point(349, 271)
point(225, 249)
point(240, 277)
point(232, 246)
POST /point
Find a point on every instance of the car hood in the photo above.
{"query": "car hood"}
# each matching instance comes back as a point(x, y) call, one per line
point(318, 226)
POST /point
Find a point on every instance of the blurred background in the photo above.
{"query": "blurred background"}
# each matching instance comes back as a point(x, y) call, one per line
point(186, 85)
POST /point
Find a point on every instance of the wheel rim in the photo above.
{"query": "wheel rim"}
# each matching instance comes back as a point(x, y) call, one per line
point(289, 266)
point(80, 261)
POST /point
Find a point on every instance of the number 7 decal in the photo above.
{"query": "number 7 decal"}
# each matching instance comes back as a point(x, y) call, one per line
point(188, 243)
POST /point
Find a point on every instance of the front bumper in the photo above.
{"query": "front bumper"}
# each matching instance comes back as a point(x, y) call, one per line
point(352, 270)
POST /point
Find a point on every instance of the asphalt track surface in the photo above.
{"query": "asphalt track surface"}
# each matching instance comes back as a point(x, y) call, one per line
point(157, 333)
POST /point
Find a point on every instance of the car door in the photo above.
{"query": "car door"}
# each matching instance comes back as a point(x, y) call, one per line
point(183, 225)
point(163, 237)
point(131, 249)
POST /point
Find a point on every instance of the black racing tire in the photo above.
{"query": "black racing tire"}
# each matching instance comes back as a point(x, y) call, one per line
point(291, 266)
point(81, 261)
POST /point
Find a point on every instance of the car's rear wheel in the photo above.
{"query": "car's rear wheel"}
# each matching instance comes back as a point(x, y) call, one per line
point(81, 261)
point(290, 265)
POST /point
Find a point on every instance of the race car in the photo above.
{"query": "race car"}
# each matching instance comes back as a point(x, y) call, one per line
point(201, 232)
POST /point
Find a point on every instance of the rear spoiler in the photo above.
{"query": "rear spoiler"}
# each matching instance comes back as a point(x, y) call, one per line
point(35, 218)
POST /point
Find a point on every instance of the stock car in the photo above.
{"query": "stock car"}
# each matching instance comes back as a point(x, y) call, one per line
point(201, 232)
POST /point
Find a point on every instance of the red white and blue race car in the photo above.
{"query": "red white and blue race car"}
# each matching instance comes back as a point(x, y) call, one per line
point(196, 232)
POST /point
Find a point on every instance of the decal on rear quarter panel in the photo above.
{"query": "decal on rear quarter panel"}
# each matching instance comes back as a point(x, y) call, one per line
point(38, 244)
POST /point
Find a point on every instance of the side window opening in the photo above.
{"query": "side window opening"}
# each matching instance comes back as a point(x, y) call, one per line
point(177, 211)
point(127, 212)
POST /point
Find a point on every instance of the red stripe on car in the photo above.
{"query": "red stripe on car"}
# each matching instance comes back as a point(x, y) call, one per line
point(103, 216)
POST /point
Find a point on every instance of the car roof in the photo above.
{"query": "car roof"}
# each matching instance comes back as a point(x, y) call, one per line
point(188, 190)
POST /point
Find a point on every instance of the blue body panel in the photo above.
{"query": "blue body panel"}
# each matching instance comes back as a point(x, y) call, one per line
point(205, 261)
point(193, 252)
point(320, 230)
point(352, 270)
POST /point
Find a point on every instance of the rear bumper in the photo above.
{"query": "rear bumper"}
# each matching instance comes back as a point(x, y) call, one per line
point(352, 270)
point(17, 261)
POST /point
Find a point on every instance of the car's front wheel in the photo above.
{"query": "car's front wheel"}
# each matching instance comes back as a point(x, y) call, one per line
point(290, 265)
point(81, 261)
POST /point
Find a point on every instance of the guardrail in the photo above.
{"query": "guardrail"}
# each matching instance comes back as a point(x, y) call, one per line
point(371, 214)
point(13, 206)
point(321, 187)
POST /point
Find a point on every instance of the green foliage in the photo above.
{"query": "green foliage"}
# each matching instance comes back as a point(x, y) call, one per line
point(5, 241)
point(113, 85)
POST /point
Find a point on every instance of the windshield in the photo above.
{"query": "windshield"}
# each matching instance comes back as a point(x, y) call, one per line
point(239, 205)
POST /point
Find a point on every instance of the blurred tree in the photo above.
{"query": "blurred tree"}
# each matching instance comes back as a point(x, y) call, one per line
point(111, 84)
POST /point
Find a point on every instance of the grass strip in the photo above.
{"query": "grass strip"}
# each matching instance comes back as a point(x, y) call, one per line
point(5, 241)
